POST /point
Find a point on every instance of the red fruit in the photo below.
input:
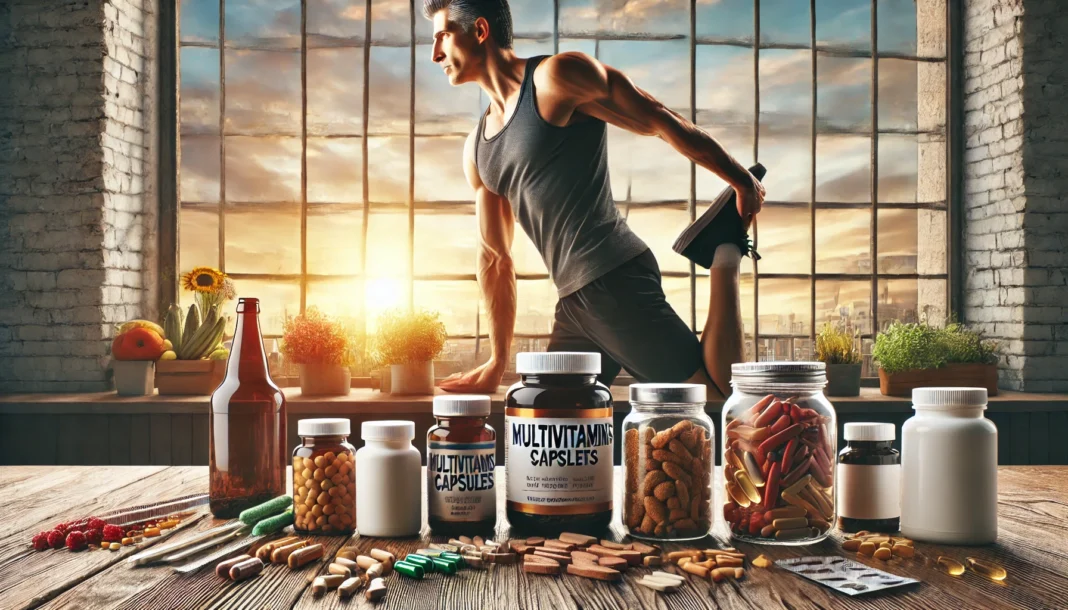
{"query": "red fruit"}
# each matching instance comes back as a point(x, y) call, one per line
point(76, 541)
point(94, 537)
point(40, 542)
point(96, 523)
point(138, 344)
point(113, 533)
point(61, 527)
point(55, 539)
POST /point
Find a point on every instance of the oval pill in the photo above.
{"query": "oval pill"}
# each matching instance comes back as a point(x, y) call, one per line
point(950, 566)
point(987, 568)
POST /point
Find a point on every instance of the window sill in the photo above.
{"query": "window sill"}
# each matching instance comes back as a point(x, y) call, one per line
point(367, 401)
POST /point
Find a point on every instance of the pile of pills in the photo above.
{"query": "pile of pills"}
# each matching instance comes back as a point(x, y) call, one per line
point(710, 564)
point(879, 546)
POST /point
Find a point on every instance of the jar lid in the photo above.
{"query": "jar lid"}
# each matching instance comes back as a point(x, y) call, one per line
point(323, 427)
point(558, 363)
point(780, 372)
point(461, 405)
point(858, 431)
point(948, 398)
point(668, 393)
point(387, 430)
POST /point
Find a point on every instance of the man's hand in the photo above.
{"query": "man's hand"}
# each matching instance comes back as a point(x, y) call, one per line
point(483, 380)
point(750, 198)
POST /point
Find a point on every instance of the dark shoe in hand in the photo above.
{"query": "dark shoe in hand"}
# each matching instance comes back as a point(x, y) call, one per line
point(719, 224)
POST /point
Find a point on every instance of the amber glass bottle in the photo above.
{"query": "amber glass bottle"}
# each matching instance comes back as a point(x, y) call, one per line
point(248, 453)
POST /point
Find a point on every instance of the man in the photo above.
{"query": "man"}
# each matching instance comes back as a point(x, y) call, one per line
point(539, 156)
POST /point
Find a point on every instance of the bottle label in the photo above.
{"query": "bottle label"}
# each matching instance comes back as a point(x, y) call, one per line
point(459, 481)
point(559, 463)
point(869, 492)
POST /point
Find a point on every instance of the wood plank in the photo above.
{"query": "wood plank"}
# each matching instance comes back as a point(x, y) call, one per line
point(182, 440)
point(140, 439)
point(159, 439)
point(119, 440)
point(1038, 451)
point(200, 440)
point(1058, 432)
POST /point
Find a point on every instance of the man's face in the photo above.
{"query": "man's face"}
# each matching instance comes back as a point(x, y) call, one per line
point(456, 51)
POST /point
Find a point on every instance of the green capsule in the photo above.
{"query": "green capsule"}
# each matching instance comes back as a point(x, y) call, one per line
point(422, 561)
point(454, 556)
point(408, 569)
point(444, 566)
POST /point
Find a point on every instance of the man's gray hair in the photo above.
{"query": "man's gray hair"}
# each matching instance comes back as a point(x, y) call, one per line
point(465, 12)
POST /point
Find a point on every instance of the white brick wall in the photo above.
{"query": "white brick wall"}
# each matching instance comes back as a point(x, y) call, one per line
point(73, 186)
point(1015, 211)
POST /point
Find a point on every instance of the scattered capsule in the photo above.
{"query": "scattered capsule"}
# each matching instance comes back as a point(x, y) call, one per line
point(421, 560)
point(950, 566)
point(986, 568)
point(444, 566)
point(410, 570)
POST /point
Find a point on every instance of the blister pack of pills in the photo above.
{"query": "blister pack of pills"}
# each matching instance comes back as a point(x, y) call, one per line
point(844, 575)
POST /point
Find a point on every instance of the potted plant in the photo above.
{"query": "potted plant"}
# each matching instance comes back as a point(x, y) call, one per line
point(919, 355)
point(196, 362)
point(323, 350)
point(134, 351)
point(838, 349)
point(408, 341)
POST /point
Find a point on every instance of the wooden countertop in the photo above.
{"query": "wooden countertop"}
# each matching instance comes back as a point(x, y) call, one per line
point(1033, 513)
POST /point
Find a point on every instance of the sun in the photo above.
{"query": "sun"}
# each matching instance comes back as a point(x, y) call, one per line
point(380, 294)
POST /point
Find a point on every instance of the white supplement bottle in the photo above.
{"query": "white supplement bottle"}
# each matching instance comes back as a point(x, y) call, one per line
point(949, 454)
point(388, 482)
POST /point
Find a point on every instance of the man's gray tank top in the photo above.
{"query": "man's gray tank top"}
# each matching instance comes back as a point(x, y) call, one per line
point(556, 179)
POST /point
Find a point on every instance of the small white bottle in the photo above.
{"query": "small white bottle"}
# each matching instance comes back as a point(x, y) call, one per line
point(388, 482)
point(949, 455)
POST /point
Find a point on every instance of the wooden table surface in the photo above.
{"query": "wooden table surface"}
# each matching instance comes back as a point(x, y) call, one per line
point(1032, 545)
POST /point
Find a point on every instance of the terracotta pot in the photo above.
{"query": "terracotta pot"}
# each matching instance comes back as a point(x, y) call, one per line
point(189, 377)
point(134, 377)
point(951, 376)
point(324, 379)
point(414, 378)
point(843, 380)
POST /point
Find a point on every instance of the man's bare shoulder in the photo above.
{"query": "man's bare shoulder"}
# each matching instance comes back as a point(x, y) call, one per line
point(571, 72)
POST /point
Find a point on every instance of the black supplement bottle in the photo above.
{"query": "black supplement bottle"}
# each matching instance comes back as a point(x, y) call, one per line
point(869, 479)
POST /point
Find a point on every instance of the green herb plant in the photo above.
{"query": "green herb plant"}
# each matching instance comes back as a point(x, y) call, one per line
point(836, 346)
point(919, 346)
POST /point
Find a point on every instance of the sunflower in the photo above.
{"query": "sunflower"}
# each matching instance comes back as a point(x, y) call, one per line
point(203, 279)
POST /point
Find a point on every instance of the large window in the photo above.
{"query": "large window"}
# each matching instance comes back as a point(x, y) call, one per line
point(321, 157)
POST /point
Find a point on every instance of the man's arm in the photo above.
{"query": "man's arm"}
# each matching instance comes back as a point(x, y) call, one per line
point(496, 279)
point(577, 82)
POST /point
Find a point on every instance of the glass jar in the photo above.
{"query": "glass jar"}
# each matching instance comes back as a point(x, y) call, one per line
point(869, 479)
point(324, 478)
point(461, 454)
point(558, 445)
point(667, 461)
point(779, 453)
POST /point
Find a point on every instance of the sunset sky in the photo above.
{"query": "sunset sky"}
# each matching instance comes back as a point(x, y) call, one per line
point(262, 127)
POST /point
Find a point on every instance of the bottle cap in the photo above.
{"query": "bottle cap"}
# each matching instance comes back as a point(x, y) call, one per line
point(668, 393)
point(323, 427)
point(945, 399)
point(558, 363)
point(857, 431)
point(387, 430)
point(461, 405)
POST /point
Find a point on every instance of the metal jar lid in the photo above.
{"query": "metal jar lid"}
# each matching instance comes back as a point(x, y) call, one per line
point(779, 372)
point(668, 393)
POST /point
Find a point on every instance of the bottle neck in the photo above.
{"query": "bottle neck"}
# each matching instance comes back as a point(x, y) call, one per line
point(667, 408)
point(559, 380)
point(460, 422)
point(248, 359)
point(311, 441)
point(870, 445)
point(381, 444)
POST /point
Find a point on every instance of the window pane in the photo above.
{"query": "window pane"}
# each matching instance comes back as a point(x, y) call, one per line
point(642, 168)
point(278, 300)
point(664, 17)
point(200, 91)
point(262, 169)
point(738, 142)
point(199, 172)
point(846, 305)
point(844, 23)
point(843, 241)
point(391, 22)
point(898, 167)
point(660, 68)
point(341, 297)
point(659, 226)
point(784, 307)
point(533, 48)
point(525, 256)
point(387, 169)
point(335, 170)
point(787, 348)
point(785, 123)
point(335, 21)
point(198, 233)
point(843, 168)
point(445, 243)
point(784, 240)
point(390, 90)
point(387, 247)
point(912, 241)
point(589, 47)
point(786, 152)
point(335, 91)
point(785, 22)
point(256, 104)
point(725, 20)
point(843, 94)
point(455, 301)
point(898, 301)
point(536, 305)
point(335, 234)
point(897, 25)
point(199, 21)
point(724, 86)
point(439, 170)
point(271, 23)
point(532, 17)
point(897, 94)
point(441, 108)
point(263, 238)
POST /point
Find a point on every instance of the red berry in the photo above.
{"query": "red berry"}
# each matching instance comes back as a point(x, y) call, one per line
point(76, 541)
point(96, 523)
point(112, 533)
point(55, 539)
point(62, 527)
point(94, 537)
point(40, 542)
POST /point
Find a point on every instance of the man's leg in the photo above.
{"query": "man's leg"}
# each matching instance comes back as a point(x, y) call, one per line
point(722, 342)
